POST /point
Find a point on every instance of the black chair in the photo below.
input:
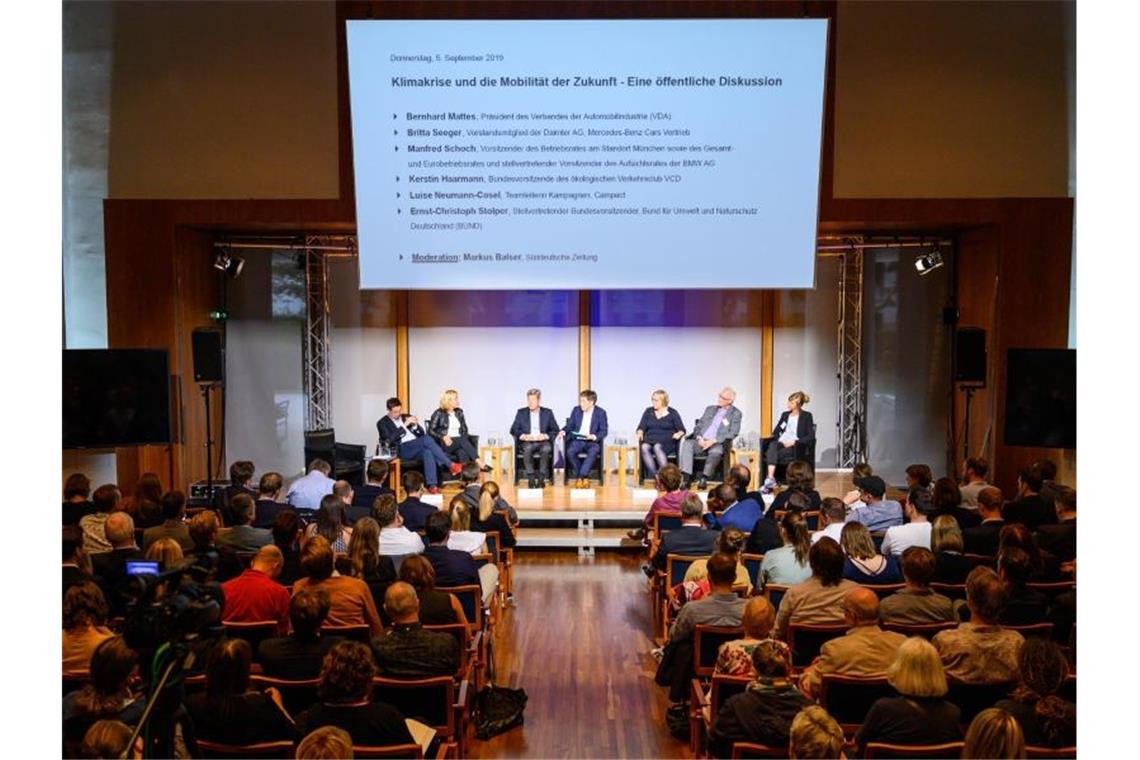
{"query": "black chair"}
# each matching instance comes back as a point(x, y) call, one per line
point(972, 698)
point(208, 749)
point(346, 459)
point(805, 452)
point(752, 564)
point(252, 632)
point(520, 465)
point(297, 695)
point(805, 640)
point(848, 699)
point(707, 640)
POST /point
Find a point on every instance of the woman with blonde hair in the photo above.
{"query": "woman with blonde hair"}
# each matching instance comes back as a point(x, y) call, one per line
point(448, 427)
point(950, 565)
point(462, 538)
point(327, 743)
point(730, 542)
point(488, 518)
point(864, 564)
point(815, 734)
point(920, 714)
point(994, 733)
point(366, 562)
point(795, 426)
point(166, 551)
point(658, 432)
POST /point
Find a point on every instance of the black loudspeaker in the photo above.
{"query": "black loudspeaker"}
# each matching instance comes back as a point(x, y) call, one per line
point(970, 356)
point(209, 359)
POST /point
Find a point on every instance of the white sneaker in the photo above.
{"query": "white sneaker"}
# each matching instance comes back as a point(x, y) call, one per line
point(657, 653)
point(769, 485)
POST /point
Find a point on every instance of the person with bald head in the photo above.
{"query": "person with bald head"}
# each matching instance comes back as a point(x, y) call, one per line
point(110, 568)
point(254, 596)
point(865, 651)
point(407, 649)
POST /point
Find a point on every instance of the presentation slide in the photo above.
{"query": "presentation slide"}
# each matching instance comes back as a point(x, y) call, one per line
point(595, 154)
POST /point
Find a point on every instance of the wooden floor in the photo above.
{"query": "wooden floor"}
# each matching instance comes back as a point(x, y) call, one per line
point(578, 642)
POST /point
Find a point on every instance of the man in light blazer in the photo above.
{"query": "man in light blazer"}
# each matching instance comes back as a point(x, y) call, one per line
point(719, 424)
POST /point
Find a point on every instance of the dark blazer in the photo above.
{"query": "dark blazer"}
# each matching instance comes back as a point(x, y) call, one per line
point(1032, 510)
point(762, 716)
point(362, 498)
point(73, 511)
point(689, 541)
point(266, 512)
point(1060, 540)
point(390, 434)
point(452, 567)
point(804, 431)
point(599, 425)
point(415, 513)
point(110, 571)
point(437, 425)
point(294, 659)
point(982, 539)
point(966, 518)
point(546, 422)
point(1024, 606)
point(765, 536)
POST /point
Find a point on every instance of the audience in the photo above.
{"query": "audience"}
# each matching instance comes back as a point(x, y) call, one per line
point(1060, 539)
point(110, 568)
point(452, 567)
point(1023, 605)
point(917, 604)
point(166, 552)
point(735, 657)
point(350, 600)
point(104, 501)
point(228, 712)
point(470, 474)
point(346, 494)
point(375, 484)
point(297, 657)
point(973, 481)
point(219, 562)
point(947, 498)
point(377, 570)
point(765, 533)
point(1043, 567)
point(763, 712)
point(950, 565)
point(919, 476)
point(241, 536)
point(979, 651)
point(287, 531)
point(1045, 718)
point(832, 518)
point(462, 537)
point(436, 607)
point(983, 538)
point(76, 498)
point(820, 598)
point(865, 651)
point(864, 564)
point(76, 565)
point(495, 515)
point(918, 507)
point(173, 505)
point(395, 539)
point(254, 596)
point(109, 694)
point(1029, 508)
point(241, 482)
point(920, 714)
point(994, 734)
point(307, 492)
point(269, 503)
point(345, 694)
point(852, 498)
point(109, 739)
point(878, 513)
point(730, 542)
point(788, 564)
point(143, 506)
point(800, 479)
point(328, 743)
point(741, 515)
point(84, 626)
point(407, 649)
point(413, 511)
point(692, 539)
point(330, 523)
point(815, 734)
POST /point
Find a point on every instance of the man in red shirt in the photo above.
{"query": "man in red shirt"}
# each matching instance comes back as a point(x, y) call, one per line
point(254, 596)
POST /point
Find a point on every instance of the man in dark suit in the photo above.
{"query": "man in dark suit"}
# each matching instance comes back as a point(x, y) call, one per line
point(983, 539)
point(298, 657)
point(405, 433)
point(241, 481)
point(1030, 508)
point(376, 484)
point(586, 429)
point(269, 502)
point(452, 567)
point(1060, 540)
point(534, 430)
point(414, 511)
point(110, 568)
point(692, 538)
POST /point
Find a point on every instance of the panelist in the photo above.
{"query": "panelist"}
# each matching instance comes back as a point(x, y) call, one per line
point(404, 432)
point(718, 425)
point(448, 427)
point(533, 429)
point(586, 428)
point(794, 426)
point(658, 432)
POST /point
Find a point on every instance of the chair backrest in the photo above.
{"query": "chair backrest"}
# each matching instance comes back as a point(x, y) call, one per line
point(805, 640)
point(883, 590)
point(361, 633)
point(723, 687)
point(664, 522)
point(484, 559)
point(1050, 752)
point(263, 749)
point(811, 519)
point(847, 698)
point(471, 599)
point(320, 444)
point(462, 637)
point(1068, 689)
point(414, 751)
point(252, 632)
point(774, 593)
point(742, 750)
point(972, 698)
point(494, 545)
point(951, 590)
point(979, 560)
point(882, 749)
point(752, 565)
point(925, 630)
point(428, 700)
point(297, 695)
point(706, 646)
point(1034, 630)
point(676, 565)
point(1052, 590)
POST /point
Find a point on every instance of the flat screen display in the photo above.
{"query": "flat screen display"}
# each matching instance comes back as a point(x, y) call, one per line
point(115, 397)
point(1041, 398)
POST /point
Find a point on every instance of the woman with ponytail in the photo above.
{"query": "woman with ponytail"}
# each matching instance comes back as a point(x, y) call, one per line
point(1046, 719)
point(489, 518)
point(789, 564)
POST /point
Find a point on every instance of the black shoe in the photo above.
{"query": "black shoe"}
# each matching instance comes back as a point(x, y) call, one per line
point(485, 468)
point(649, 570)
point(703, 483)
point(533, 482)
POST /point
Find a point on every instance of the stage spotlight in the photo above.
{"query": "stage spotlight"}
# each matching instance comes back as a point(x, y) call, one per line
point(928, 262)
point(226, 262)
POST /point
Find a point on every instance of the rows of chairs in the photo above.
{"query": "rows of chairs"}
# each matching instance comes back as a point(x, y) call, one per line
point(287, 749)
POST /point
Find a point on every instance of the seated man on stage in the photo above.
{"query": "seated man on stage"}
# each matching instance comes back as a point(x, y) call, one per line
point(534, 429)
point(404, 432)
point(719, 424)
point(448, 427)
point(586, 428)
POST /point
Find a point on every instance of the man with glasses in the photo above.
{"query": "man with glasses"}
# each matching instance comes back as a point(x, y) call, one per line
point(720, 423)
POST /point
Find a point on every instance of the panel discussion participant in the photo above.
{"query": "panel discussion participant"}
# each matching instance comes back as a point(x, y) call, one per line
point(404, 432)
point(448, 427)
point(658, 432)
point(794, 426)
point(586, 428)
point(534, 431)
point(717, 426)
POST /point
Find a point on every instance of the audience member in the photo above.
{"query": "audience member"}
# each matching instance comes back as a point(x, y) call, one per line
point(979, 651)
point(107, 696)
point(110, 568)
point(470, 475)
point(994, 733)
point(730, 542)
point(436, 607)
point(950, 565)
point(820, 598)
point(228, 712)
point(1045, 718)
point(670, 495)
point(307, 492)
point(1029, 507)
point(220, 563)
point(76, 498)
point(269, 500)
point(735, 657)
point(865, 651)
point(173, 504)
point(814, 734)
point(832, 518)
point(350, 600)
point(254, 596)
point(983, 538)
point(919, 476)
point(501, 504)
point(331, 524)
point(166, 552)
point(788, 564)
point(741, 515)
point(375, 484)
point(692, 539)
point(1023, 605)
point(947, 499)
point(109, 739)
point(864, 564)
point(143, 506)
point(800, 478)
point(879, 513)
point(1043, 567)
point(407, 649)
point(917, 604)
point(345, 694)
point(413, 511)
point(84, 626)
point(853, 498)
point(973, 481)
point(764, 711)
point(287, 531)
point(462, 537)
point(76, 565)
point(765, 533)
point(487, 518)
point(918, 507)
point(327, 743)
point(377, 570)
point(1060, 539)
point(395, 539)
point(297, 657)
point(452, 567)
point(241, 482)
point(741, 478)
point(241, 536)
point(104, 501)
point(345, 493)
point(920, 714)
